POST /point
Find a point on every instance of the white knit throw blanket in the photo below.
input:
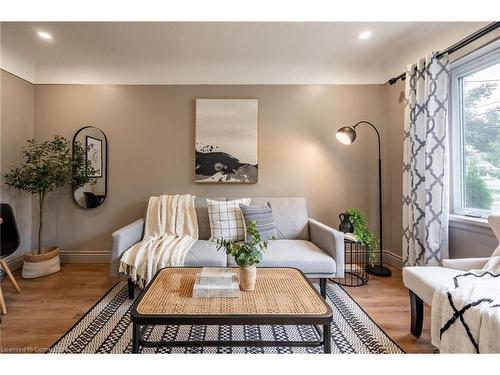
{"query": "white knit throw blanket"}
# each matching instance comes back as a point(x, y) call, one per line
point(171, 230)
point(466, 312)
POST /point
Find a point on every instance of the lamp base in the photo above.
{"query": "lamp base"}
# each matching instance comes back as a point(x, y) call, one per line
point(378, 270)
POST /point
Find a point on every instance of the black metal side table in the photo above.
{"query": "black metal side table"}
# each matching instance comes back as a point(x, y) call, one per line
point(355, 260)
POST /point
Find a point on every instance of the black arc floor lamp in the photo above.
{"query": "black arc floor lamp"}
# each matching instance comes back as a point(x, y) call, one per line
point(347, 135)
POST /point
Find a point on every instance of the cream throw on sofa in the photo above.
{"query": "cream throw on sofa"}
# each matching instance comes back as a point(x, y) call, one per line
point(170, 231)
point(466, 312)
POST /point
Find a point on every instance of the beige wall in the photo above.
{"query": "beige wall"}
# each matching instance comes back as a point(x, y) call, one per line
point(392, 165)
point(16, 107)
point(150, 130)
point(151, 134)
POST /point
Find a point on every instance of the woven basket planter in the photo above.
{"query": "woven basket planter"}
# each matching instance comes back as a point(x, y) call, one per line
point(38, 265)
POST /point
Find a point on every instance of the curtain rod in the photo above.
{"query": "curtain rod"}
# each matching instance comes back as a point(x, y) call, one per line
point(464, 42)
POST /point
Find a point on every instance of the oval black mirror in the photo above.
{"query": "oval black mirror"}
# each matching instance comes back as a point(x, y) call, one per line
point(93, 193)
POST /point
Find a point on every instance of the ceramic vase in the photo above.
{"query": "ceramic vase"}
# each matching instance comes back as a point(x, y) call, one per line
point(248, 276)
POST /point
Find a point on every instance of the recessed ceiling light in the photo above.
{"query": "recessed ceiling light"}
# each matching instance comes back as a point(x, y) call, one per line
point(44, 35)
point(365, 35)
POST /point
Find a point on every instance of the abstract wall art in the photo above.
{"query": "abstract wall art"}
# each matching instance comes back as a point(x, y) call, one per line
point(226, 149)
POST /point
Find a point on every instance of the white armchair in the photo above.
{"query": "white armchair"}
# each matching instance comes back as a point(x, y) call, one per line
point(423, 281)
point(465, 264)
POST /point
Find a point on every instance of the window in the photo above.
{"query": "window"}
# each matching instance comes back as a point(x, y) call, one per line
point(475, 133)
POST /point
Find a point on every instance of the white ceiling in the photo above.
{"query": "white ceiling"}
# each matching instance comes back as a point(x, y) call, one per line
point(220, 53)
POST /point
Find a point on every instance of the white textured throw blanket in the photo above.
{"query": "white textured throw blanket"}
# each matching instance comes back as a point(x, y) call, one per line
point(466, 312)
point(171, 230)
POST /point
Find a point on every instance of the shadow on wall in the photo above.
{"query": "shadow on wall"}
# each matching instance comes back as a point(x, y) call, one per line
point(401, 99)
point(298, 153)
point(20, 201)
point(140, 208)
point(62, 211)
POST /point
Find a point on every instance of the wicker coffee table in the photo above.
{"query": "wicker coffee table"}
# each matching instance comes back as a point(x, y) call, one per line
point(281, 296)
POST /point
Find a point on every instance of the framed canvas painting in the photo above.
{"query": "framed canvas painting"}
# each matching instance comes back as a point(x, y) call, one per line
point(226, 141)
point(94, 154)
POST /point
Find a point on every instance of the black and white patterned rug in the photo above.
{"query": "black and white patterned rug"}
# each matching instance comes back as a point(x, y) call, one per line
point(107, 328)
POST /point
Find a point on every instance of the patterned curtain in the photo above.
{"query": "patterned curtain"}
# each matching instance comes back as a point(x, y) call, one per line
point(425, 162)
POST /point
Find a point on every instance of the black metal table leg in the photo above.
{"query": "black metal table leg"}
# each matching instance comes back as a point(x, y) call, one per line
point(327, 338)
point(131, 288)
point(324, 333)
point(322, 287)
point(136, 332)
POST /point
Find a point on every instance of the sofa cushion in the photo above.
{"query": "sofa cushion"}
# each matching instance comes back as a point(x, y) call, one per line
point(290, 217)
point(423, 281)
point(204, 254)
point(200, 205)
point(226, 219)
point(300, 254)
point(263, 218)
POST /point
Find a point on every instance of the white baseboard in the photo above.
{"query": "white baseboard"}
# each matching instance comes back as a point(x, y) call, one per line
point(15, 263)
point(85, 256)
point(394, 260)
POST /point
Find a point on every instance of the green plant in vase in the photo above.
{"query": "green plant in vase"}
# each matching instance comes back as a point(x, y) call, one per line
point(246, 254)
point(363, 234)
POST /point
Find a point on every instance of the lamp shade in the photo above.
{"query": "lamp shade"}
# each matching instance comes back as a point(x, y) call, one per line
point(346, 135)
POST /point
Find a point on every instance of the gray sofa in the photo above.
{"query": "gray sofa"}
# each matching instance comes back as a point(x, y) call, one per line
point(303, 243)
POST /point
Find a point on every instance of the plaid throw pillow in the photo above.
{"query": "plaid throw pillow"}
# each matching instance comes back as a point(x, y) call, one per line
point(226, 220)
point(263, 217)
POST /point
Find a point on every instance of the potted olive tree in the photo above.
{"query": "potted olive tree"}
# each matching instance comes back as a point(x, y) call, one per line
point(246, 254)
point(46, 166)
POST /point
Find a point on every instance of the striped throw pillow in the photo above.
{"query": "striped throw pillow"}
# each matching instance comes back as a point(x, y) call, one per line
point(226, 220)
point(263, 217)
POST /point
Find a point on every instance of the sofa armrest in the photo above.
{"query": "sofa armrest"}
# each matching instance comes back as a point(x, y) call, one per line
point(123, 239)
point(465, 264)
point(329, 240)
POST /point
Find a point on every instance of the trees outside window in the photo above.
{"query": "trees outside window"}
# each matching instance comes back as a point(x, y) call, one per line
point(475, 127)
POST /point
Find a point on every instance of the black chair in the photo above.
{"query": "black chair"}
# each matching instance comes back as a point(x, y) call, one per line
point(9, 242)
point(91, 200)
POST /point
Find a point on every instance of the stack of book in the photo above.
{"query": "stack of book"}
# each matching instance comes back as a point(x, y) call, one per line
point(216, 282)
point(351, 237)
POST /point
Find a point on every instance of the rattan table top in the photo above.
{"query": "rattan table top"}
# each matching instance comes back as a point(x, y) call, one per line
point(278, 291)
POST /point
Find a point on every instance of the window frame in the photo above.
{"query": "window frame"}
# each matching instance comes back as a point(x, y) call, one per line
point(478, 60)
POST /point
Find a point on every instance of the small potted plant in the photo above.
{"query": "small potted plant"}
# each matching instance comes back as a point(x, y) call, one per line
point(246, 254)
point(48, 165)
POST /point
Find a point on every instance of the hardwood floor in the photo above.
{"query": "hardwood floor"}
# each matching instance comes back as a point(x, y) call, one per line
point(386, 301)
point(47, 307)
